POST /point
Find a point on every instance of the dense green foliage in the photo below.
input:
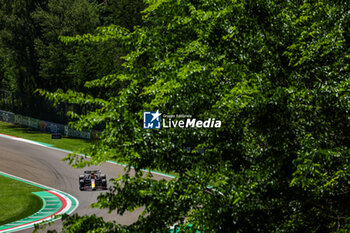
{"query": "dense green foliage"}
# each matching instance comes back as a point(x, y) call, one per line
point(18, 56)
point(61, 18)
point(32, 56)
point(274, 72)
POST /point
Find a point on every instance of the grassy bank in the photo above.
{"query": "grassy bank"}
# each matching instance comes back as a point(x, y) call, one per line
point(72, 144)
point(17, 200)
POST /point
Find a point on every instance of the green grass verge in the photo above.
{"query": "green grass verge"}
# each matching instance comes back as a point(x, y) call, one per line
point(72, 144)
point(17, 200)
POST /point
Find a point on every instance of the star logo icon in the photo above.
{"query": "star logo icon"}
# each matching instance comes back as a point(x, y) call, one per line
point(156, 115)
point(151, 120)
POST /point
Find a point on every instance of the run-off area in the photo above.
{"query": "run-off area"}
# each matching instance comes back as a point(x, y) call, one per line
point(23, 204)
point(17, 200)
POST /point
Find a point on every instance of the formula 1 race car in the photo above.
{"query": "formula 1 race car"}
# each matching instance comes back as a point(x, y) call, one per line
point(92, 180)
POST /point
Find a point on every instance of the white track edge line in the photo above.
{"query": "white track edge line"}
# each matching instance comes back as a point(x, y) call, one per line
point(67, 151)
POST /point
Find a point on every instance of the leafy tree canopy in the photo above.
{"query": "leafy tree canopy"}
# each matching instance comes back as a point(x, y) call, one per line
point(274, 72)
point(61, 18)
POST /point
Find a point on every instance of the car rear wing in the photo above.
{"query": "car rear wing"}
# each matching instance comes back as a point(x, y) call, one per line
point(92, 171)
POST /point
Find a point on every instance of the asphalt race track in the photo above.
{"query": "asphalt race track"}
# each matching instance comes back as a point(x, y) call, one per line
point(45, 166)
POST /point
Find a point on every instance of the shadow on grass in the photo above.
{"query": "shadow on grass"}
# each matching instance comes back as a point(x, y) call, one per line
point(23, 129)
